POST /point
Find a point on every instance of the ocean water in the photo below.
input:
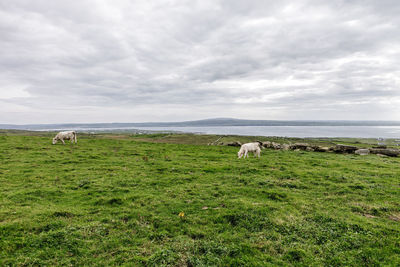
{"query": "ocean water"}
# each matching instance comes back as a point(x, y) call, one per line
point(284, 131)
point(293, 131)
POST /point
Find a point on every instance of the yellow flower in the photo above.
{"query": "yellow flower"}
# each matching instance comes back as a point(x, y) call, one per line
point(181, 214)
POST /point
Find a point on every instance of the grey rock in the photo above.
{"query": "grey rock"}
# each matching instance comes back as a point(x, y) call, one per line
point(235, 143)
point(285, 147)
point(362, 151)
point(388, 152)
point(321, 149)
point(267, 144)
point(276, 145)
point(301, 146)
point(339, 148)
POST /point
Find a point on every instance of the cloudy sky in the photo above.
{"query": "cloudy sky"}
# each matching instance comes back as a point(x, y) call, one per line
point(135, 61)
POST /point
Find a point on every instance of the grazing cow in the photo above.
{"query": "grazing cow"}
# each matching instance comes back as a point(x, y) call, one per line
point(250, 147)
point(68, 135)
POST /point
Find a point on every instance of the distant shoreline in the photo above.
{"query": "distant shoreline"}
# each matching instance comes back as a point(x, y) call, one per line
point(200, 123)
point(375, 132)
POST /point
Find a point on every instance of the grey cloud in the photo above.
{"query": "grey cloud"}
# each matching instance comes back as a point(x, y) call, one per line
point(217, 56)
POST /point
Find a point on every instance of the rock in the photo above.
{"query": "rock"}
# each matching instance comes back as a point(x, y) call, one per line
point(285, 147)
point(339, 148)
point(388, 152)
point(362, 152)
point(235, 143)
point(276, 145)
point(321, 149)
point(380, 146)
point(267, 144)
point(301, 146)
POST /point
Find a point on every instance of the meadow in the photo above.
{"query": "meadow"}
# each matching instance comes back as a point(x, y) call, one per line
point(172, 200)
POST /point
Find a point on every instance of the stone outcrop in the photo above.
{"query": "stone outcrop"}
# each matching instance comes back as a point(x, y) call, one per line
point(266, 144)
point(362, 151)
point(386, 151)
point(235, 143)
point(321, 149)
point(380, 146)
point(339, 148)
point(301, 146)
point(276, 145)
point(285, 147)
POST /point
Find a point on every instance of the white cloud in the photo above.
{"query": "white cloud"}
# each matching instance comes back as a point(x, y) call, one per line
point(182, 60)
point(13, 91)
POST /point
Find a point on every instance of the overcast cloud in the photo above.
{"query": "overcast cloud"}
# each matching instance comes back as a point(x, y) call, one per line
point(135, 61)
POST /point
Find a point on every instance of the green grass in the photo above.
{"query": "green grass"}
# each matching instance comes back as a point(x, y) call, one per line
point(115, 200)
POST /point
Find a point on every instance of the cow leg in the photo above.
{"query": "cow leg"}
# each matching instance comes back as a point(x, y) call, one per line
point(62, 140)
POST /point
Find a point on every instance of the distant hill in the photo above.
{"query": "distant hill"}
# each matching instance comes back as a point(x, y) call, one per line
point(202, 123)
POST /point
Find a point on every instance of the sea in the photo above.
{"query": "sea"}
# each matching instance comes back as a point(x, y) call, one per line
point(377, 132)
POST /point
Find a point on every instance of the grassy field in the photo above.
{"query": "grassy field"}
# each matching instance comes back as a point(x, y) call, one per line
point(116, 200)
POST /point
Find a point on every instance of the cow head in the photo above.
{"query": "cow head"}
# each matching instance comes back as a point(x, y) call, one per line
point(54, 141)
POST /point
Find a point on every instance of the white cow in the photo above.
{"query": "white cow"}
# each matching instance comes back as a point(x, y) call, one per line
point(249, 147)
point(68, 135)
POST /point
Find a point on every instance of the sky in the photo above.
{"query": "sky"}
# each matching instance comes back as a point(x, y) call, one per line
point(138, 61)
